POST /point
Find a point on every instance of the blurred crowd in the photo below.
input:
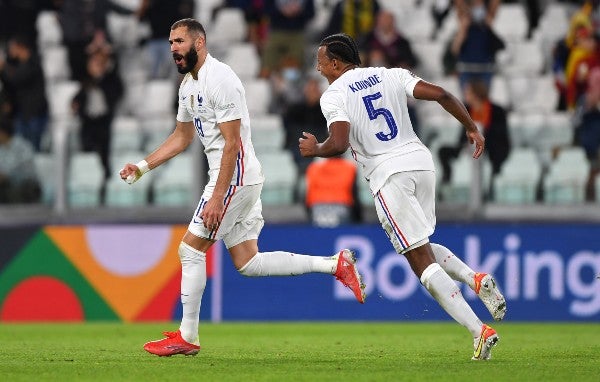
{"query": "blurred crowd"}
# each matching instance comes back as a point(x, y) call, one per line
point(283, 34)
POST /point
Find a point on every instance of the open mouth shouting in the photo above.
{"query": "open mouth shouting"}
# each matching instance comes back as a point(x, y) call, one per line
point(178, 59)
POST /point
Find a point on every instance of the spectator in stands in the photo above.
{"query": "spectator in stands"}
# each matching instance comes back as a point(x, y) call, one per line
point(304, 115)
point(161, 14)
point(584, 56)
point(286, 85)
point(332, 192)
point(23, 77)
point(475, 44)
point(84, 23)
point(386, 46)
point(356, 18)
point(579, 29)
point(285, 39)
point(18, 179)
point(588, 118)
point(19, 18)
point(96, 101)
point(256, 20)
point(491, 119)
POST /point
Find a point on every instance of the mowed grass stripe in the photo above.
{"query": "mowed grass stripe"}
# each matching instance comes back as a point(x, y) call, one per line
point(369, 351)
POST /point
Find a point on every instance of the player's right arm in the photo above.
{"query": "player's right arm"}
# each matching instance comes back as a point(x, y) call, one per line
point(175, 143)
point(336, 143)
point(430, 92)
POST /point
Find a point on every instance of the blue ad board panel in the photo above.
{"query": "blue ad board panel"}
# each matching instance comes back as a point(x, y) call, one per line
point(547, 272)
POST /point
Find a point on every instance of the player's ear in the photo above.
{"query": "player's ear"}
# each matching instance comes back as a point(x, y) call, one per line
point(199, 42)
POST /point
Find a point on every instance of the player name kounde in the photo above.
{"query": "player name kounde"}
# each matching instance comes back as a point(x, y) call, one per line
point(365, 84)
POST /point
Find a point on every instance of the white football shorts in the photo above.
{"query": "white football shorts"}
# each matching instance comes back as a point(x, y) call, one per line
point(406, 208)
point(242, 220)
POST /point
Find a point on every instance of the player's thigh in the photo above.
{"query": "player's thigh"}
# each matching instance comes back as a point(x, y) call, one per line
point(242, 209)
point(405, 207)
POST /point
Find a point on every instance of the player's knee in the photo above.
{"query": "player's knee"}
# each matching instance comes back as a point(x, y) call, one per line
point(190, 255)
point(252, 267)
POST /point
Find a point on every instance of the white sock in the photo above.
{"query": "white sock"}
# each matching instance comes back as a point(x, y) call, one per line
point(280, 263)
point(453, 266)
point(448, 295)
point(193, 282)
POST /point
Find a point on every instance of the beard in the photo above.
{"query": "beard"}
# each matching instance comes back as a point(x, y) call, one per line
point(190, 58)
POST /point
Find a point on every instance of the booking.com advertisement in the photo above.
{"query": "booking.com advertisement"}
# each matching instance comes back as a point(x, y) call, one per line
point(546, 272)
point(131, 273)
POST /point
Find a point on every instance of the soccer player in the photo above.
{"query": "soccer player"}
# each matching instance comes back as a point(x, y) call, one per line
point(212, 104)
point(366, 110)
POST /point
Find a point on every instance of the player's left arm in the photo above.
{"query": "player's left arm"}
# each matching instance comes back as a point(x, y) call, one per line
point(427, 91)
point(213, 211)
point(336, 144)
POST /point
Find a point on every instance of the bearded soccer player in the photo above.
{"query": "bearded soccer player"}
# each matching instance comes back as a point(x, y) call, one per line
point(212, 105)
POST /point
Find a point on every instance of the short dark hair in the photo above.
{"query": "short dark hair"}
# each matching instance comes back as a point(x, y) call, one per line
point(22, 41)
point(342, 47)
point(192, 25)
point(479, 87)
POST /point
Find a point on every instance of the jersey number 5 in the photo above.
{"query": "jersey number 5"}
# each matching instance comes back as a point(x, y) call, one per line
point(374, 113)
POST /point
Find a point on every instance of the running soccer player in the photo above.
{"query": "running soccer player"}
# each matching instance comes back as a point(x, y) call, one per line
point(212, 104)
point(366, 110)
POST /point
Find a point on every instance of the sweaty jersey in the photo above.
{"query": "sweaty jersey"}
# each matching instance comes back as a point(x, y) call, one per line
point(382, 139)
point(218, 96)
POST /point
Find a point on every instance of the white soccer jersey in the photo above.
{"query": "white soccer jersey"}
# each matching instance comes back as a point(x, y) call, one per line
point(382, 139)
point(218, 96)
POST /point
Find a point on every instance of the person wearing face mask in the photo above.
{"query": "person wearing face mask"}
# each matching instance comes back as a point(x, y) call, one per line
point(475, 44)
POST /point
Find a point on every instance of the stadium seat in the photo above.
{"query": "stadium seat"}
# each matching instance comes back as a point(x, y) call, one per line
point(55, 64)
point(533, 94)
point(365, 197)
point(417, 24)
point(127, 135)
point(522, 58)
point(268, 133)
point(244, 60)
point(85, 179)
point(280, 173)
point(499, 93)
point(458, 189)
point(553, 25)
point(45, 168)
point(173, 186)
point(511, 22)
point(430, 56)
point(567, 177)
point(60, 96)
point(228, 27)
point(524, 128)
point(440, 130)
point(557, 132)
point(125, 30)
point(121, 194)
point(49, 29)
point(158, 98)
point(519, 177)
point(258, 96)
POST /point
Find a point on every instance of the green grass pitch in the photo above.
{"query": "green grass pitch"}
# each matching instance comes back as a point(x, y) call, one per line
point(365, 351)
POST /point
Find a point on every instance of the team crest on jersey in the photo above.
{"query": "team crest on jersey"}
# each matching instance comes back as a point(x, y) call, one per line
point(199, 101)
